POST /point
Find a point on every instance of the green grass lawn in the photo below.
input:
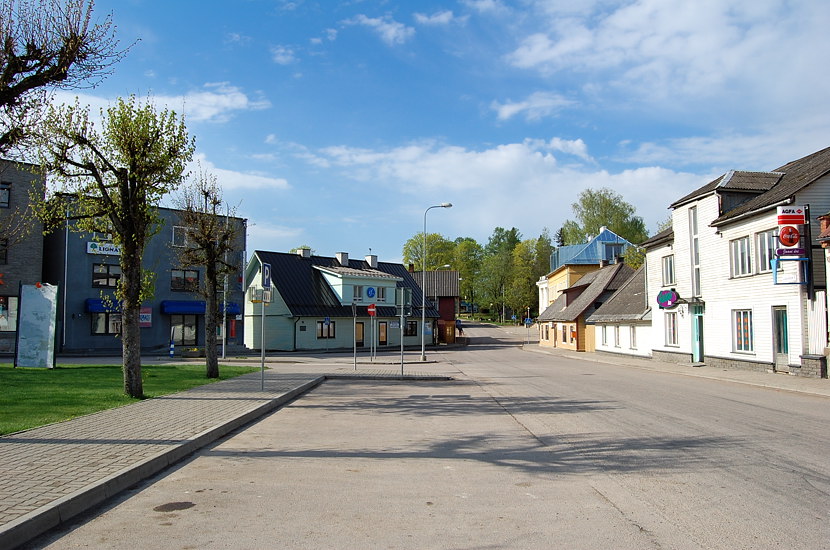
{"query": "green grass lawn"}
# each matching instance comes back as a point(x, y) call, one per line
point(34, 397)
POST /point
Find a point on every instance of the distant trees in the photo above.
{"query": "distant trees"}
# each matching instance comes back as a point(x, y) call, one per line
point(116, 178)
point(603, 207)
point(439, 251)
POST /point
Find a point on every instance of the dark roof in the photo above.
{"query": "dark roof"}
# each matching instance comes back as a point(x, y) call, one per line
point(439, 283)
point(594, 285)
point(663, 237)
point(738, 181)
point(301, 284)
point(628, 303)
point(797, 175)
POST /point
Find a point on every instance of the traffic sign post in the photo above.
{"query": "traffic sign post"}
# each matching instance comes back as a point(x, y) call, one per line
point(266, 288)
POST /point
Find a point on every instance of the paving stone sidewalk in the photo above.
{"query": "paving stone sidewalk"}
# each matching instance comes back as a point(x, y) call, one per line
point(52, 473)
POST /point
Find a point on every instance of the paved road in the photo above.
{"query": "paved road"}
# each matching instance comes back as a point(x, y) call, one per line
point(526, 450)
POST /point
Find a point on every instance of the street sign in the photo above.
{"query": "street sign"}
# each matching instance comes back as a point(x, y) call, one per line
point(266, 276)
point(372, 309)
point(327, 321)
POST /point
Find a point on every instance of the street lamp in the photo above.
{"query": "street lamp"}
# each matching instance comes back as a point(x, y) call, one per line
point(424, 280)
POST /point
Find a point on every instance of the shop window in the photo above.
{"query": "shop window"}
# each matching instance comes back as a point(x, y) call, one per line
point(106, 323)
point(184, 329)
point(325, 331)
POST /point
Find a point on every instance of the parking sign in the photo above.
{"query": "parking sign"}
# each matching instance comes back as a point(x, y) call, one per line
point(266, 276)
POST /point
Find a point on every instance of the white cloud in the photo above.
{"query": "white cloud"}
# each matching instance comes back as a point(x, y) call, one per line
point(267, 236)
point(537, 105)
point(215, 103)
point(485, 6)
point(390, 31)
point(283, 55)
point(439, 18)
point(231, 180)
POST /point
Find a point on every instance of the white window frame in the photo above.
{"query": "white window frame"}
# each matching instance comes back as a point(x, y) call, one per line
point(179, 236)
point(604, 335)
point(765, 242)
point(668, 270)
point(357, 293)
point(616, 336)
point(740, 256)
point(695, 250)
point(381, 295)
point(742, 323)
point(632, 337)
point(670, 320)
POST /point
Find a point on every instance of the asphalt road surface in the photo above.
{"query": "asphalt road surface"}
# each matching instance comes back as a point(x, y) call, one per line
point(526, 450)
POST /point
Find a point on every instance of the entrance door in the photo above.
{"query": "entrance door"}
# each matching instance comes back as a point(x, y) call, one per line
point(382, 333)
point(697, 334)
point(780, 339)
point(358, 335)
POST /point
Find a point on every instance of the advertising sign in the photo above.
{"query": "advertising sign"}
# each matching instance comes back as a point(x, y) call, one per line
point(791, 221)
point(667, 298)
point(107, 249)
point(791, 215)
point(145, 317)
point(37, 326)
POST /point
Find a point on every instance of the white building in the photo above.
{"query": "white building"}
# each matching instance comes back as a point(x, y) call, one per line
point(719, 293)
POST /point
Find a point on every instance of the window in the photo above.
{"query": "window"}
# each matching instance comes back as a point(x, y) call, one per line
point(179, 236)
point(184, 329)
point(357, 293)
point(184, 279)
point(742, 330)
point(739, 256)
point(8, 313)
point(695, 250)
point(411, 328)
point(612, 251)
point(604, 335)
point(765, 243)
point(325, 331)
point(632, 337)
point(564, 333)
point(668, 270)
point(105, 275)
point(5, 194)
point(616, 336)
point(573, 334)
point(106, 323)
point(381, 294)
point(4, 251)
point(671, 328)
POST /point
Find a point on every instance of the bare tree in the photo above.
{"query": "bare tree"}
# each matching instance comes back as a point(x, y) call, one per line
point(210, 244)
point(47, 44)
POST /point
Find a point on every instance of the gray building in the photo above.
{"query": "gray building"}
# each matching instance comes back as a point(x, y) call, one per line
point(21, 243)
point(86, 268)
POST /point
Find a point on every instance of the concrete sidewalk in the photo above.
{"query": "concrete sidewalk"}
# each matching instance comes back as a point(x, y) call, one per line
point(52, 473)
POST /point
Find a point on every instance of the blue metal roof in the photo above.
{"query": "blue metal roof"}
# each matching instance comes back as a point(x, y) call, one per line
point(605, 246)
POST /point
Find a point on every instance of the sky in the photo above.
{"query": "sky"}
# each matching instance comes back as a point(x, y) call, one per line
point(336, 124)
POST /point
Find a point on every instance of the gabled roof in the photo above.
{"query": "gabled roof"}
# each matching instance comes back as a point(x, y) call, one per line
point(593, 285)
point(628, 303)
point(797, 175)
point(738, 181)
point(439, 283)
point(666, 236)
point(302, 285)
point(586, 253)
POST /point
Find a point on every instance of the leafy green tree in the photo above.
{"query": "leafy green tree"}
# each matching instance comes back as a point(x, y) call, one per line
point(116, 177)
point(439, 252)
point(603, 207)
point(211, 244)
point(467, 258)
point(543, 248)
point(502, 241)
point(521, 291)
point(47, 44)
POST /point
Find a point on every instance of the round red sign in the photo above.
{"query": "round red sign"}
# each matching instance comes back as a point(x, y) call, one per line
point(789, 235)
point(372, 310)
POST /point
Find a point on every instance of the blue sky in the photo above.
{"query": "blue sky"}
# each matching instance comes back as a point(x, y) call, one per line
point(336, 124)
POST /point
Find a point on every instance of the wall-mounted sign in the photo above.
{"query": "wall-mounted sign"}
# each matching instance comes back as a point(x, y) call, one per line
point(145, 317)
point(107, 249)
point(792, 215)
point(370, 292)
point(667, 298)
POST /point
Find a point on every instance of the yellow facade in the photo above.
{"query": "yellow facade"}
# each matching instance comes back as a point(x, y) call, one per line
point(574, 332)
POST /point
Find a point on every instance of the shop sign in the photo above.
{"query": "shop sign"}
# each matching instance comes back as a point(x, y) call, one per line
point(145, 317)
point(107, 249)
point(667, 298)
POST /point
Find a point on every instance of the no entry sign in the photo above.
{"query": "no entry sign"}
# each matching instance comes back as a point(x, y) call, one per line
point(372, 309)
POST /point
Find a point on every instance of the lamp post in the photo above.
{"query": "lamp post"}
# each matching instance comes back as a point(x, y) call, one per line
point(424, 279)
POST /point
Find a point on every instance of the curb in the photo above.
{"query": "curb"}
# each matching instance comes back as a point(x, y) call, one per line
point(25, 528)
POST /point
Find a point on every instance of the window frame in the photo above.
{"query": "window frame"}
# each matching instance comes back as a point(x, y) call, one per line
point(106, 276)
point(743, 332)
point(326, 332)
point(182, 241)
point(740, 256)
point(411, 328)
point(180, 341)
point(667, 263)
point(5, 194)
point(632, 337)
point(765, 246)
point(357, 294)
point(617, 336)
point(187, 285)
point(110, 323)
point(670, 331)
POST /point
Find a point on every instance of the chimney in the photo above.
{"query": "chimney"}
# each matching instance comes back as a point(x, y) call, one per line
point(343, 258)
point(372, 260)
point(304, 252)
point(411, 268)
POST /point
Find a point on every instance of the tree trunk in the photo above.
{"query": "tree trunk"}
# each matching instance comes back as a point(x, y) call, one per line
point(211, 321)
point(130, 330)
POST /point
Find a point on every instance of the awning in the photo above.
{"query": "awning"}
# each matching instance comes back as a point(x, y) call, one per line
point(194, 307)
point(97, 305)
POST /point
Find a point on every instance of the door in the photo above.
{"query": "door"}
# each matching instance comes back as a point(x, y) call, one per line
point(382, 333)
point(780, 339)
point(697, 334)
point(358, 335)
